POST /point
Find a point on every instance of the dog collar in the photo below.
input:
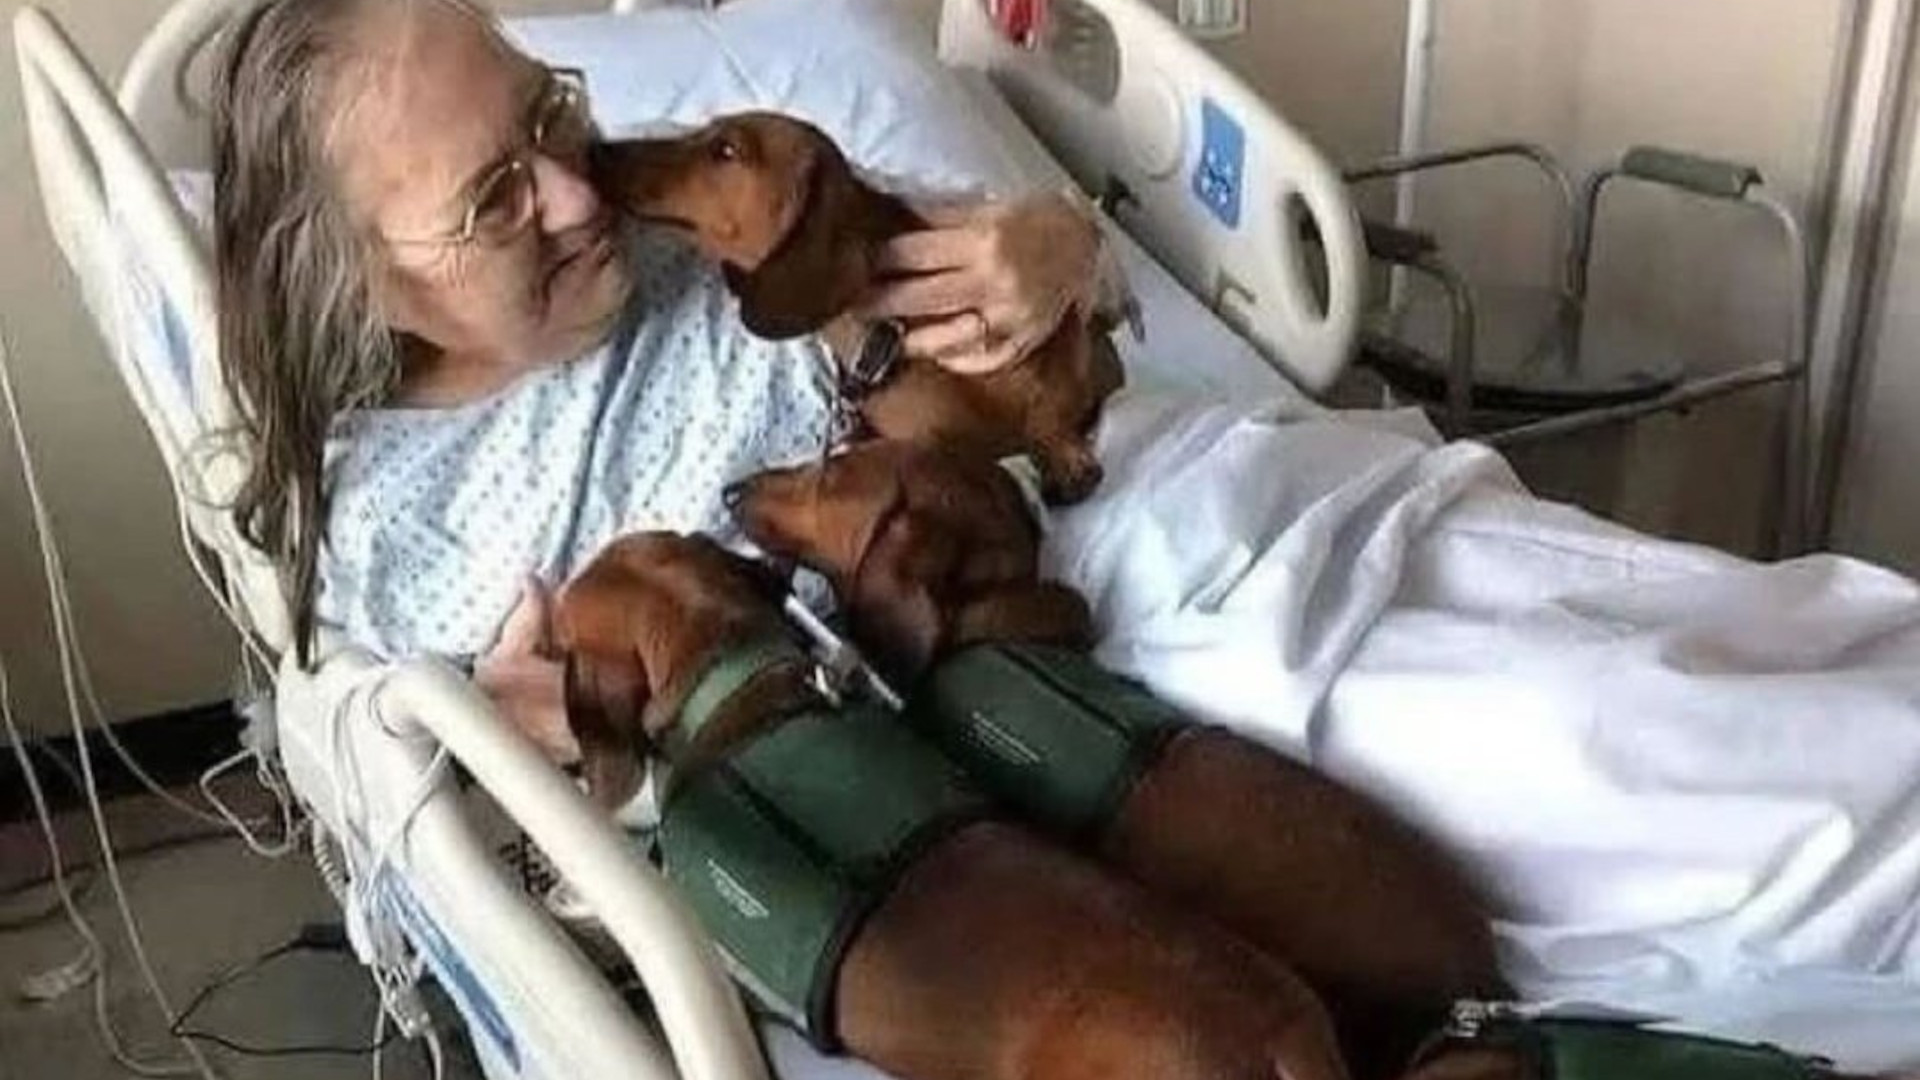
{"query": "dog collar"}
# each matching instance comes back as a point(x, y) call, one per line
point(881, 350)
point(1026, 477)
point(730, 673)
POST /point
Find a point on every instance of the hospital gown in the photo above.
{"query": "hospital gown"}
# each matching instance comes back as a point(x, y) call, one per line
point(437, 516)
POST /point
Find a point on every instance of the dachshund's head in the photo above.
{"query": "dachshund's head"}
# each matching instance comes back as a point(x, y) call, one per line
point(928, 549)
point(769, 197)
point(638, 627)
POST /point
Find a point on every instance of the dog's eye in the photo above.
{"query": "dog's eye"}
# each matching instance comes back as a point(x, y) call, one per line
point(725, 149)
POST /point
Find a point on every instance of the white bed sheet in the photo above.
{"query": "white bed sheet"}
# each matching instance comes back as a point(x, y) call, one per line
point(1691, 783)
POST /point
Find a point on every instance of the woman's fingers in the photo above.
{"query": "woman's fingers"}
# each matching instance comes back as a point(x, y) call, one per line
point(529, 629)
point(530, 693)
point(959, 214)
point(938, 340)
point(974, 343)
point(988, 281)
point(928, 250)
point(983, 360)
point(977, 362)
point(928, 296)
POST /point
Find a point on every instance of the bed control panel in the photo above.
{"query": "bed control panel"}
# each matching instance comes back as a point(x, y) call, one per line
point(1211, 19)
point(1216, 174)
point(1084, 49)
point(1218, 178)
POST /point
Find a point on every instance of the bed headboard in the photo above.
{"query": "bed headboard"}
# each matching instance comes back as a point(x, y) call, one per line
point(103, 198)
point(164, 88)
point(1220, 188)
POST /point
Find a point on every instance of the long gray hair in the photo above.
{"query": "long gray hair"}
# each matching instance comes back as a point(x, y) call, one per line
point(301, 338)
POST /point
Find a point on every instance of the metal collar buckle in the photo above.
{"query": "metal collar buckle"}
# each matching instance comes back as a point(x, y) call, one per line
point(880, 353)
point(838, 665)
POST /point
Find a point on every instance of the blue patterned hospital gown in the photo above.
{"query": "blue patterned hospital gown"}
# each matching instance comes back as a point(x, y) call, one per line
point(438, 515)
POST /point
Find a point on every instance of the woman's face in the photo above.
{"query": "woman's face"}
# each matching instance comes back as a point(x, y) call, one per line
point(437, 114)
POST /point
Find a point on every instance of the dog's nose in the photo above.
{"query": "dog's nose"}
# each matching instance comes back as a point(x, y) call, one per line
point(733, 494)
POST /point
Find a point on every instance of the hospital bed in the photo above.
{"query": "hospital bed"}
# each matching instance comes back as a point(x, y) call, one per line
point(1215, 192)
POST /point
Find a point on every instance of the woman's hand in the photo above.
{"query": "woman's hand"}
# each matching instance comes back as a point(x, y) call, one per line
point(989, 282)
point(526, 681)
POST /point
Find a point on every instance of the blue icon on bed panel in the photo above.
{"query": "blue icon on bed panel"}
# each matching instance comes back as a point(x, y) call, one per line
point(1223, 164)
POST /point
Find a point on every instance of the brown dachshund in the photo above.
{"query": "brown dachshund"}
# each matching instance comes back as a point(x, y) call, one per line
point(997, 955)
point(930, 552)
point(774, 201)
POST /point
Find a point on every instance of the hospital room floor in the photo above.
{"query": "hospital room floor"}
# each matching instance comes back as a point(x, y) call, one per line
point(204, 907)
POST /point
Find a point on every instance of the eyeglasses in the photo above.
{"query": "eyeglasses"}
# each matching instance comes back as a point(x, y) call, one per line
point(504, 201)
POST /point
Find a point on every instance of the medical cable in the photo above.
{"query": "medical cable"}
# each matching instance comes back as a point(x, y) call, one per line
point(64, 637)
point(251, 651)
point(90, 965)
point(310, 939)
point(379, 944)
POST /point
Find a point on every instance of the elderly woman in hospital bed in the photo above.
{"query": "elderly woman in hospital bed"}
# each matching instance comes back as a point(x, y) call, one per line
point(1678, 772)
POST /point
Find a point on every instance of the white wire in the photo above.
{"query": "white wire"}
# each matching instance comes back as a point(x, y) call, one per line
point(379, 1032)
point(93, 956)
point(58, 592)
point(429, 780)
point(364, 866)
point(364, 860)
point(61, 604)
point(64, 638)
point(289, 836)
point(436, 1054)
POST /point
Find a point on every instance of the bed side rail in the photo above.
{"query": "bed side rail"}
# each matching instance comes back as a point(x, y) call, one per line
point(1233, 200)
point(423, 704)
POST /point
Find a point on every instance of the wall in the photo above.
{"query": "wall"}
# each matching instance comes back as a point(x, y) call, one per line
point(154, 641)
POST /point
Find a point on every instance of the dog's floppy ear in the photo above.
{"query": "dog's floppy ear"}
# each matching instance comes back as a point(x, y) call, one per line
point(605, 700)
point(897, 621)
point(771, 576)
point(821, 266)
point(895, 594)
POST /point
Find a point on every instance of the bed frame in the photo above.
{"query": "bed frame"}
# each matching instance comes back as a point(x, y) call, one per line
point(1130, 106)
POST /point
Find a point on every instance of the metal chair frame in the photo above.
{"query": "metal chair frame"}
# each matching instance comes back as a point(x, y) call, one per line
point(1420, 252)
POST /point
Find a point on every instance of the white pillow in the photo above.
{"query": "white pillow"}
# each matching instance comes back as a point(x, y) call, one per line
point(863, 71)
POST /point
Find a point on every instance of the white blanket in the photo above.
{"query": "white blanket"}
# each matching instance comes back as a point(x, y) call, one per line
point(1690, 782)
